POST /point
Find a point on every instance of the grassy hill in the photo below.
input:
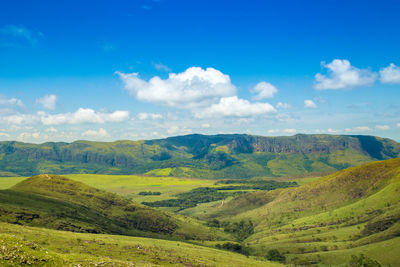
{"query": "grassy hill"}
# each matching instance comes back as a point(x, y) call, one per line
point(57, 202)
point(22, 245)
point(215, 156)
point(351, 212)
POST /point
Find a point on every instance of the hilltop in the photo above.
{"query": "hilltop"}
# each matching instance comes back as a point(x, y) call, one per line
point(57, 202)
point(201, 156)
point(351, 212)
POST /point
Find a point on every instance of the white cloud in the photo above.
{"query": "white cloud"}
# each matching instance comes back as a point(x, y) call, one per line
point(145, 116)
point(361, 129)
point(11, 102)
point(194, 87)
point(390, 74)
point(48, 101)
point(264, 90)
point(83, 115)
point(289, 131)
point(161, 67)
point(342, 75)
point(27, 136)
point(283, 105)
point(309, 104)
point(273, 131)
point(330, 130)
point(398, 124)
point(235, 107)
point(19, 119)
point(101, 133)
point(51, 130)
point(382, 127)
point(174, 130)
point(205, 125)
point(4, 134)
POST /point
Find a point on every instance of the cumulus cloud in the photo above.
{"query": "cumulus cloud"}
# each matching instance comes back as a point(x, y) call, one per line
point(342, 75)
point(235, 107)
point(390, 74)
point(100, 133)
point(174, 130)
point(382, 127)
point(264, 90)
point(48, 101)
point(27, 136)
point(11, 102)
point(192, 88)
point(145, 116)
point(283, 105)
point(19, 119)
point(309, 104)
point(205, 125)
point(398, 124)
point(83, 115)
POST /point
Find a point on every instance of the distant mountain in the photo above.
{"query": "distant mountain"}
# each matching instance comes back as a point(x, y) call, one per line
point(214, 156)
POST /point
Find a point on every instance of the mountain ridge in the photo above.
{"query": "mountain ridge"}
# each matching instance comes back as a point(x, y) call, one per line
point(202, 156)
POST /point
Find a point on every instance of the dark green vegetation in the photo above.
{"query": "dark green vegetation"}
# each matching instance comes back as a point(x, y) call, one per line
point(210, 194)
point(218, 156)
point(56, 202)
point(331, 221)
point(149, 193)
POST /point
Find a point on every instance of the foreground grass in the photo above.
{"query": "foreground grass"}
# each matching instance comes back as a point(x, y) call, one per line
point(43, 247)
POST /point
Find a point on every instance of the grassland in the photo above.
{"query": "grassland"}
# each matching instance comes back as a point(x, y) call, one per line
point(131, 185)
point(22, 245)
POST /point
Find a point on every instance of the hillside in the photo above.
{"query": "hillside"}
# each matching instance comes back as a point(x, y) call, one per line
point(351, 212)
point(56, 202)
point(216, 156)
point(20, 246)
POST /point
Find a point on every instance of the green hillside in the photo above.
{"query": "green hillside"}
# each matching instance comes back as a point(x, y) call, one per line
point(56, 202)
point(21, 245)
point(215, 156)
point(352, 212)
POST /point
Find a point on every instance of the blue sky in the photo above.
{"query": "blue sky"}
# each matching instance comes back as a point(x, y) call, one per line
point(108, 70)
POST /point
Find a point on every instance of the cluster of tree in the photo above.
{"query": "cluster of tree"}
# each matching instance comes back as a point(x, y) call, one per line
point(191, 198)
point(241, 230)
point(235, 247)
point(363, 261)
point(275, 255)
point(265, 185)
point(149, 193)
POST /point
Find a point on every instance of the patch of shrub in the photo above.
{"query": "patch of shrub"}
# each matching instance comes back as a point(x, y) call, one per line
point(275, 255)
point(363, 261)
point(149, 193)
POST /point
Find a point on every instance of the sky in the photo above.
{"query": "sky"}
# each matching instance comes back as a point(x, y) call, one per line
point(146, 69)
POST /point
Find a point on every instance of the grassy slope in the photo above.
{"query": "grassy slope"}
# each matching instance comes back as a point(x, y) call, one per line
point(60, 203)
point(44, 247)
point(349, 212)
